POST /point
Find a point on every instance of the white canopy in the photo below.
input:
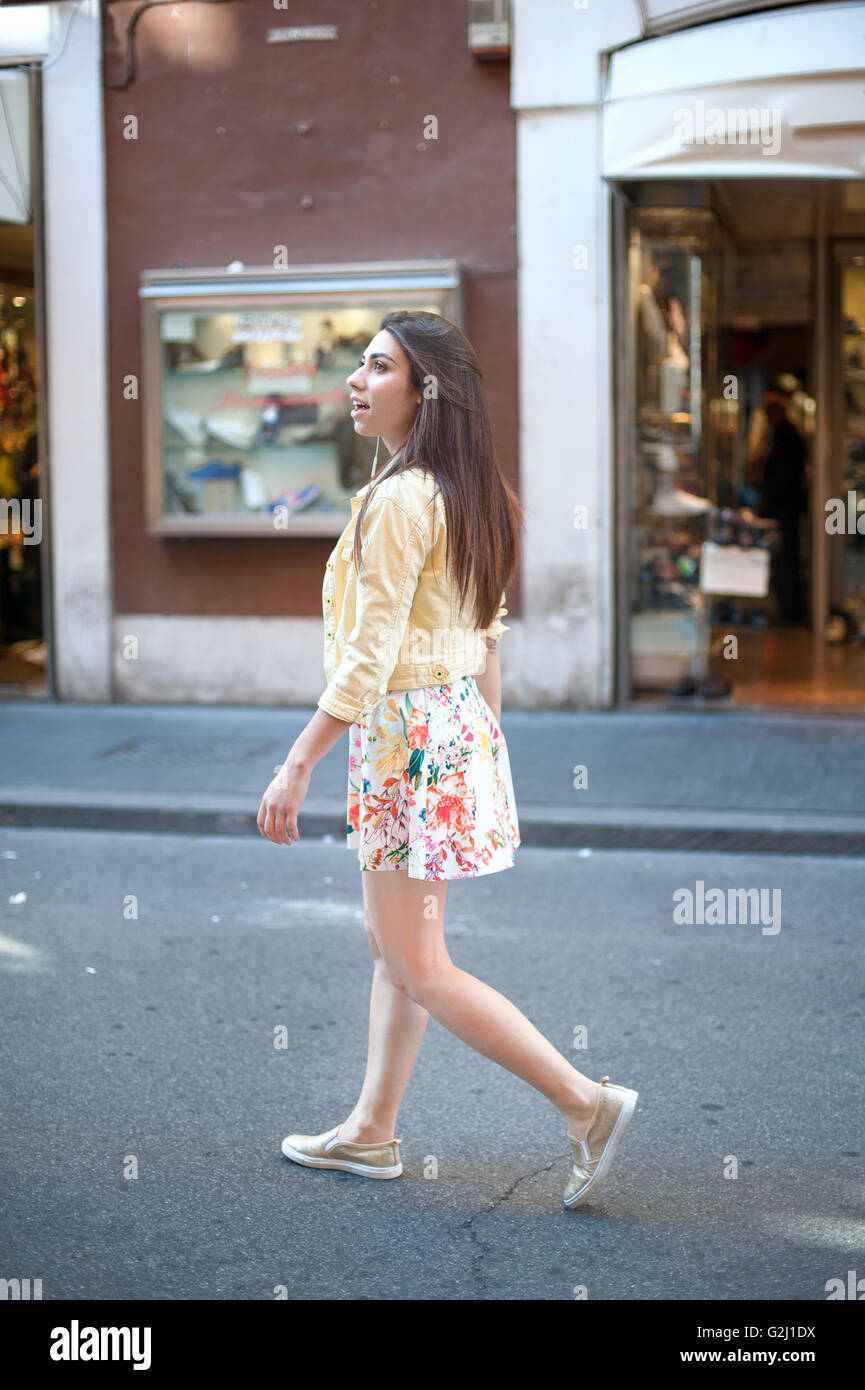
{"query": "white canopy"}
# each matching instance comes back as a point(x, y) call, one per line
point(775, 94)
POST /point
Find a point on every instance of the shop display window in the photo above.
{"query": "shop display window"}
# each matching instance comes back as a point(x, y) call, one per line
point(21, 478)
point(849, 607)
point(18, 389)
point(677, 430)
point(246, 408)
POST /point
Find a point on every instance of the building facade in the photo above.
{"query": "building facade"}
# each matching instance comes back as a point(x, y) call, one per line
point(240, 198)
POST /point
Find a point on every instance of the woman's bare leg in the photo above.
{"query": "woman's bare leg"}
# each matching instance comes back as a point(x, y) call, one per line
point(396, 1029)
point(408, 920)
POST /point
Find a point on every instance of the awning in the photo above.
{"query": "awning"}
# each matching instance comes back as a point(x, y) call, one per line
point(770, 95)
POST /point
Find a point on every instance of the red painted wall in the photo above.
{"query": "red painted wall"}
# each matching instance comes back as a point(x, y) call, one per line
point(218, 173)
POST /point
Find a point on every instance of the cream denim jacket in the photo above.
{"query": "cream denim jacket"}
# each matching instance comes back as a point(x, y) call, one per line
point(396, 625)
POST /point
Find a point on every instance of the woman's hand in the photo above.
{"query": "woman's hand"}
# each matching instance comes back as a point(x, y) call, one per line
point(277, 815)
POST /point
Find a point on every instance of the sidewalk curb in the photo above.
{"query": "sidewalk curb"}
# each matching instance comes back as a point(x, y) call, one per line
point(547, 827)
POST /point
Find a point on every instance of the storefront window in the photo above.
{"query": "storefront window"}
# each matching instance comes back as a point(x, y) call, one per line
point(674, 436)
point(22, 650)
point(844, 519)
point(248, 426)
point(18, 398)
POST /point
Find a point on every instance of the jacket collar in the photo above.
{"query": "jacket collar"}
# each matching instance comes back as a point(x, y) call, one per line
point(357, 499)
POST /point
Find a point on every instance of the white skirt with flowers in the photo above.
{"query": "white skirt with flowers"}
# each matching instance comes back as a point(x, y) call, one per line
point(429, 785)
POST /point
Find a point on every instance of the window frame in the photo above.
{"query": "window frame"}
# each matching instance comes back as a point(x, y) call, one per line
point(353, 284)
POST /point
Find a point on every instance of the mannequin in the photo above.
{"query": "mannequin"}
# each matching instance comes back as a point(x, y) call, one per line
point(673, 374)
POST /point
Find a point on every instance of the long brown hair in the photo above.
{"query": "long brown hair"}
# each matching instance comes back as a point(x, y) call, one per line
point(452, 438)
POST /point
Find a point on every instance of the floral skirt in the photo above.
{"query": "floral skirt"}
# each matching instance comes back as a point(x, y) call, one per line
point(429, 785)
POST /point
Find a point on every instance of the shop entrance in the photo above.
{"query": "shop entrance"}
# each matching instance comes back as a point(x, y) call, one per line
point(741, 442)
point(23, 538)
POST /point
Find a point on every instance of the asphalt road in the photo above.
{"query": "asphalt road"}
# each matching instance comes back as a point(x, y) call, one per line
point(144, 1044)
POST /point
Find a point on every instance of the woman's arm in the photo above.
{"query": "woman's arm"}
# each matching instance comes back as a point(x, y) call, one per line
point(319, 736)
point(395, 547)
point(281, 803)
point(489, 682)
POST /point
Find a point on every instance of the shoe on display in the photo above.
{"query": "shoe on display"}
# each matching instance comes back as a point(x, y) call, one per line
point(292, 502)
point(237, 431)
point(254, 492)
point(677, 502)
point(215, 469)
point(188, 425)
point(271, 418)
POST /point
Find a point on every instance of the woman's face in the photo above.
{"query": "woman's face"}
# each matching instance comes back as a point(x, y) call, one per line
point(384, 400)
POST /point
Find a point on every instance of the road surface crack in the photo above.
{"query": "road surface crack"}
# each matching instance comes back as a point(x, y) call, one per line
point(480, 1250)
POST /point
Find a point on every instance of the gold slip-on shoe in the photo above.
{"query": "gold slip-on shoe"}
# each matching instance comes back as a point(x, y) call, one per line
point(594, 1154)
point(380, 1160)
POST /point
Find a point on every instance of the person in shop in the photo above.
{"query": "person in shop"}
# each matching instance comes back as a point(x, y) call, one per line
point(782, 497)
point(759, 440)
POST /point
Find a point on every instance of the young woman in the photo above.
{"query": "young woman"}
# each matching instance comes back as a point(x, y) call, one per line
point(412, 609)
